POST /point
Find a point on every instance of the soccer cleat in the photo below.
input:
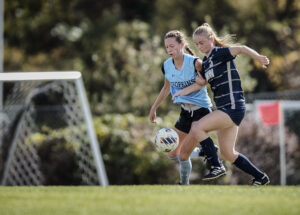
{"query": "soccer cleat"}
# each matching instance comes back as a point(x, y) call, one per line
point(259, 182)
point(182, 184)
point(215, 172)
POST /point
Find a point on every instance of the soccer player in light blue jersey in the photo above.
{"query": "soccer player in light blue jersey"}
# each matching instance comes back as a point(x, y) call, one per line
point(220, 71)
point(180, 71)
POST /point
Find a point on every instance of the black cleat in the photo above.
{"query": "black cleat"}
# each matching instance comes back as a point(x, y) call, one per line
point(262, 181)
point(215, 172)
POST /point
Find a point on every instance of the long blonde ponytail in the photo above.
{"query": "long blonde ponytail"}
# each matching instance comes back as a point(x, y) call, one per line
point(209, 32)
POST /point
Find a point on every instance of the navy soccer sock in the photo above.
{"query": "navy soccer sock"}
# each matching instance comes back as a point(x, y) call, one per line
point(243, 163)
point(210, 151)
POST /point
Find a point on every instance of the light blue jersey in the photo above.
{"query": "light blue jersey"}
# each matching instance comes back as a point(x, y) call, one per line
point(183, 78)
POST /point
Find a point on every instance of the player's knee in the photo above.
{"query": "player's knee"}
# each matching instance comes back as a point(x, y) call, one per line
point(193, 130)
point(228, 154)
point(196, 131)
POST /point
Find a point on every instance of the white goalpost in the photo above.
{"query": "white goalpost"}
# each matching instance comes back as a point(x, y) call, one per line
point(38, 106)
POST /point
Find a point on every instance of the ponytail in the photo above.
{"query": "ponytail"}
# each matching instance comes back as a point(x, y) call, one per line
point(189, 50)
point(225, 41)
point(219, 41)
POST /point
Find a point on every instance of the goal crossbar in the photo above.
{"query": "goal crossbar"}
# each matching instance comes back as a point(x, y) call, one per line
point(62, 76)
point(39, 76)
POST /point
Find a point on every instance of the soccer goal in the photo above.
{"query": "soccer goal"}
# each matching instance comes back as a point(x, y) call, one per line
point(45, 117)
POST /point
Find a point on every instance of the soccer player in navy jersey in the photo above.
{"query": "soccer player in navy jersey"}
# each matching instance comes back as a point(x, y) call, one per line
point(180, 71)
point(219, 70)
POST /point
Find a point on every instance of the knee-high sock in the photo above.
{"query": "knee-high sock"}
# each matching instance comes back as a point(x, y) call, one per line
point(195, 153)
point(185, 171)
point(243, 163)
point(210, 151)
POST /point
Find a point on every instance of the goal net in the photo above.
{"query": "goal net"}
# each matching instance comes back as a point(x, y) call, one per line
point(45, 117)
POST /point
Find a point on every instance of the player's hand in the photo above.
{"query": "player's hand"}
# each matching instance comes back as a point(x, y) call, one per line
point(176, 94)
point(200, 80)
point(152, 116)
point(264, 61)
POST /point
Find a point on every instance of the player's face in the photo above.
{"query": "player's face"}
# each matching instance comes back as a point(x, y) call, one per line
point(174, 49)
point(204, 43)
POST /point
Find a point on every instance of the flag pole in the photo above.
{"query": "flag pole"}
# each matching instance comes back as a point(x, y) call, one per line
point(1, 50)
point(282, 146)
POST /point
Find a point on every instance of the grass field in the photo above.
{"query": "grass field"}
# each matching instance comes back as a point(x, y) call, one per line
point(152, 200)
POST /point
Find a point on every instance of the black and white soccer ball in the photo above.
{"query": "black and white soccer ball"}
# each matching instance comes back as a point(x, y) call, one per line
point(166, 140)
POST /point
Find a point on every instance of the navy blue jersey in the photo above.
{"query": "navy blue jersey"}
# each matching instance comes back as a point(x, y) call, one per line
point(221, 73)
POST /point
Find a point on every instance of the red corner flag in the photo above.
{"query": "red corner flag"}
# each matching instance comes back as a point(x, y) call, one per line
point(269, 113)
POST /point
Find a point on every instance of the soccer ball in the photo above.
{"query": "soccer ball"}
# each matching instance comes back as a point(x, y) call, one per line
point(166, 140)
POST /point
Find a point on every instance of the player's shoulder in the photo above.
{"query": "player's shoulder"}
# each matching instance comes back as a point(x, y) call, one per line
point(190, 59)
point(188, 56)
point(169, 60)
point(167, 65)
point(218, 49)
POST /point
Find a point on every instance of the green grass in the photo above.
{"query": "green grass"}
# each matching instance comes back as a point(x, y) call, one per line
point(186, 200)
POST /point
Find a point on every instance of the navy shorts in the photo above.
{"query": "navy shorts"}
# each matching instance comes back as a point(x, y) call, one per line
point(236, 115)
point(187, 117)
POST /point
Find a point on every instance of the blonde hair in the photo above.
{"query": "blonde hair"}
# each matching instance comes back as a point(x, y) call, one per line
point(180, 38)
point(219, 41)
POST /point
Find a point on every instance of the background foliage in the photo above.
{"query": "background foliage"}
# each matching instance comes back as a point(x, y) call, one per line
point(119, 44)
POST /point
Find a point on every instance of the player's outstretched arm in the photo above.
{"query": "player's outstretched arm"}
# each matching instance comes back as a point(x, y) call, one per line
point(263, 60)
point(164, 92)
point(193, 87)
